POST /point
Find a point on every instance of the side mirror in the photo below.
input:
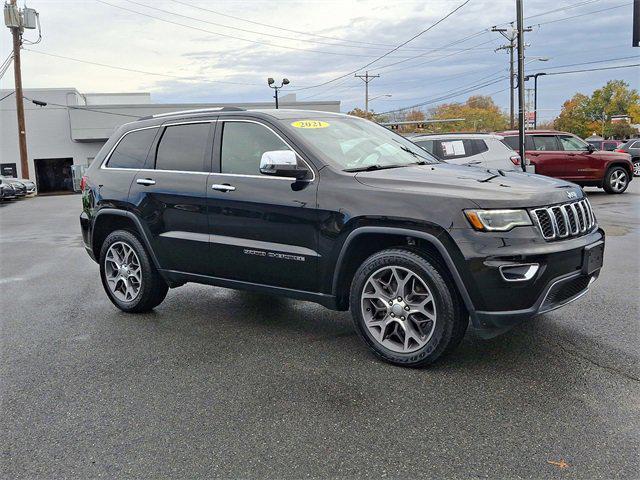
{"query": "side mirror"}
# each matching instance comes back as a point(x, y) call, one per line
point(590, 148)
point(282, 163)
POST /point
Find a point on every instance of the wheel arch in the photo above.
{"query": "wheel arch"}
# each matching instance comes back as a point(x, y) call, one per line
point(628, 168)
point(364, 241)
point(108, 220)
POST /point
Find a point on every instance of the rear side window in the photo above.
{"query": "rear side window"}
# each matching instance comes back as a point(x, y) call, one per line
point(450, 149)
point(243, 144)
point(476, 146)
point(183, 147)
point(132, 150)
point(545, 143)
point(609, 146)
point(511, 142)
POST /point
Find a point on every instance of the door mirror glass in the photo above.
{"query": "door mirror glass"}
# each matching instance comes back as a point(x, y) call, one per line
point(591, 148)
point(282, 163)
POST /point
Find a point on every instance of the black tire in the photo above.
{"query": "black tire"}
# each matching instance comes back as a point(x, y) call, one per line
point(636, 167)
point(153, 289)
point(611, 185)
point(451, 320)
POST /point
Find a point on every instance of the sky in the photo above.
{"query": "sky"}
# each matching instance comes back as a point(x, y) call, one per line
point(223, 51)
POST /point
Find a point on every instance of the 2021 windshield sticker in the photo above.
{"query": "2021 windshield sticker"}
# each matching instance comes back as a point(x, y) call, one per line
point(310, 124)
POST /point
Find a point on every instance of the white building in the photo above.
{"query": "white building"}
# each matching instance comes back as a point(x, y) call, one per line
point(72, 127)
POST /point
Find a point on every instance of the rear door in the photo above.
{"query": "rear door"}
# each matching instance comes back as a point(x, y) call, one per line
point(580, 164)
point(170, 195)
point(264, 229)
point(545, 152)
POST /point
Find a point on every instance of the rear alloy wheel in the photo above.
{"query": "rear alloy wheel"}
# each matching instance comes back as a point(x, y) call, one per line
point(636, 167)
point(405, 309)
point(128, 274)
point(616, 180)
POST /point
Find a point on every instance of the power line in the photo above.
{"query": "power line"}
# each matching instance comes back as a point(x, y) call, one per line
point(433, 25)
point(232, 36)
point(71, 107)
point(135, 70)
point(258, 32)
point(594, 69)
point(298, 32)
point(583, 14)
point(8, 95)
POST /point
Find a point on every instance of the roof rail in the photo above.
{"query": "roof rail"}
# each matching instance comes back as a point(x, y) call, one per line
point(195, 110)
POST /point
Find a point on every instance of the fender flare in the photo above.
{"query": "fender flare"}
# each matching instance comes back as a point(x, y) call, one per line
point(144, 236)
point(432, 239)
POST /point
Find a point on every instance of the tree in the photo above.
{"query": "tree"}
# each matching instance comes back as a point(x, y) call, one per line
point(479, 112)
point(358, 112)
point(583, 115)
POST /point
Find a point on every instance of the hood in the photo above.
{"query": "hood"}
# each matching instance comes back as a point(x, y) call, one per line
point(488, 188)
point(607, 155)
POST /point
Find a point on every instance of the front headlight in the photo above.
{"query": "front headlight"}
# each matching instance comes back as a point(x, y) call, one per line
point(497, 220)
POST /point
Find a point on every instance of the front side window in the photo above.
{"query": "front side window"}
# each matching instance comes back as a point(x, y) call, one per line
point(572, 144)
point(243, 144)
point(183, 147)
point(132, 150)
point(353, 143)
point(545, 143)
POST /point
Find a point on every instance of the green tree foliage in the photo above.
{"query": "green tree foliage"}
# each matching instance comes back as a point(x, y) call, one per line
point(584, 115)
point(480, 114)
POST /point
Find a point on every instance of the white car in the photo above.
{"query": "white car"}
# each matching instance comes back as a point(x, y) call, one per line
point(481, 149)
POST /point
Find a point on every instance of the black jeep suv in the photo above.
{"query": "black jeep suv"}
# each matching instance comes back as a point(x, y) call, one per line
point(336, 210)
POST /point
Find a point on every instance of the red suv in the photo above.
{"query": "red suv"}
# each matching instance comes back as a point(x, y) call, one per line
point(563, 155)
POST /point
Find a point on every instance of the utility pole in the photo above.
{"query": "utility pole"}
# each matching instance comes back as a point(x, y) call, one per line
point(521, 112)
point(511, 35)
point(366, 78)
point(16, 31)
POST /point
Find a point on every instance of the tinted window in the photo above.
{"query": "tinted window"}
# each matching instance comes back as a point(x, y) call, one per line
point(634, 145)
point(183, 147)
point(511, 142)
point(132, 150)
point(545, 143)
point(459, 148)
point(610, 146)
point(243, 144)
point(427, 145)
point(570, 143)
point(476, 146)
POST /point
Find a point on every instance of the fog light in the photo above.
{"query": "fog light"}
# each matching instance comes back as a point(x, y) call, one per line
point(519, 272)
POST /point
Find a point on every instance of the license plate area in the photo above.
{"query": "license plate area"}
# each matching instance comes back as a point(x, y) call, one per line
point(592, 258)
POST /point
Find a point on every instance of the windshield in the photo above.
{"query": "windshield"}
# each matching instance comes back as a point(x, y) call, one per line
point(351, 143)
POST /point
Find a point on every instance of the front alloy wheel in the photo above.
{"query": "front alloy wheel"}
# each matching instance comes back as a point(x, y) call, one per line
point(399, 309)
point(636, 167)
point(617, 180)
point(406, 308)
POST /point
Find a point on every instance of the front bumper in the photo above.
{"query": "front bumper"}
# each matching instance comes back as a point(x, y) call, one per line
point(560, 278)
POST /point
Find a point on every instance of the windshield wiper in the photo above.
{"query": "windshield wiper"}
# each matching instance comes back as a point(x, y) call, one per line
point(371, 168)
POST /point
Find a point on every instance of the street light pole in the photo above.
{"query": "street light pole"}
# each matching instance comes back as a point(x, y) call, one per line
point(535, 95)
point(271, 82)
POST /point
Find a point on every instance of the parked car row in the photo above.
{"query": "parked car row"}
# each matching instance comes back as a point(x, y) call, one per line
point(548, 152)
point(12, 188)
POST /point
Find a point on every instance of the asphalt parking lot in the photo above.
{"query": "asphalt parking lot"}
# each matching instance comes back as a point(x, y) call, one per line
point(217, 383)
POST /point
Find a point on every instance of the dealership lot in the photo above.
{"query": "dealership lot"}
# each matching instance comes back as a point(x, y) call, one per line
point(217, 383)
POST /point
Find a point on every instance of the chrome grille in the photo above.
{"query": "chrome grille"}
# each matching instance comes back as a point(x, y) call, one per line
point(566, 220)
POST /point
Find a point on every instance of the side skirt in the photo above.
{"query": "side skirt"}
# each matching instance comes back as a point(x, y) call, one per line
point(176, 278)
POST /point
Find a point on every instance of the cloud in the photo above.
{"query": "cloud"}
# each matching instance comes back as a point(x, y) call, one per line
point(103, 34)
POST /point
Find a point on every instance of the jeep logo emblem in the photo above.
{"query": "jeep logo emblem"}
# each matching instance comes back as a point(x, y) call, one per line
point(572, 195)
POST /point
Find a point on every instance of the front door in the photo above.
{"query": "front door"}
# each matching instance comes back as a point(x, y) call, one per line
point(581, 165)
point(170, 196)
point(545, 153)
point(263, 228)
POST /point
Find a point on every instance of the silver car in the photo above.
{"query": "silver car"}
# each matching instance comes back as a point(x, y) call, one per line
point(30, 188)
point(481, 149)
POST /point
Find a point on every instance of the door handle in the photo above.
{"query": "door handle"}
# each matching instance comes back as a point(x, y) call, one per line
point(223, 187)
point(145, 181)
